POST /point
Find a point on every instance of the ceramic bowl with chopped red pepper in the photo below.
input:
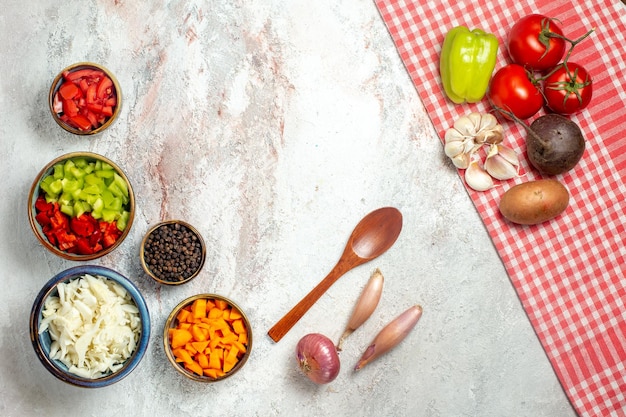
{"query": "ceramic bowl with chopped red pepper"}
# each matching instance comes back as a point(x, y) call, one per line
point(85, 98)
point(81, 206)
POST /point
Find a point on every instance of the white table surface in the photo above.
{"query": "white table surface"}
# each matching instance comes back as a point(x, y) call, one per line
point(273, 127)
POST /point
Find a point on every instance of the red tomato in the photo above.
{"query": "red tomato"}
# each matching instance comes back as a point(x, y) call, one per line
point(511, 89)
point(568, 89)
point(536, 42)
point(86, 99)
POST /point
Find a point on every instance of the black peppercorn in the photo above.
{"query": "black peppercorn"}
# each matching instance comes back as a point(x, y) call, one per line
point(173, 252)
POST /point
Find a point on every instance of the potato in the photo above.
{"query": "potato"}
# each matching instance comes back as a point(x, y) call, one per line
point(534, 202)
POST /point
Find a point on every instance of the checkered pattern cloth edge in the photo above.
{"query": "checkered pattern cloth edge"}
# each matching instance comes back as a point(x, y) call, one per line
point(570, 273)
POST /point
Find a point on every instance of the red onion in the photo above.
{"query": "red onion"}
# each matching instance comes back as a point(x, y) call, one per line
point(317, 358)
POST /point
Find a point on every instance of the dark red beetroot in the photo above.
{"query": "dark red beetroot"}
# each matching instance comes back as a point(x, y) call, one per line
point(554, 144)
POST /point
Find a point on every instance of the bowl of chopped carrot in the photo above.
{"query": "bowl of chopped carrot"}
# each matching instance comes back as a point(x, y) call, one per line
point(81, 206)
point(207, 338)
point(85, 98)
point(89, 326)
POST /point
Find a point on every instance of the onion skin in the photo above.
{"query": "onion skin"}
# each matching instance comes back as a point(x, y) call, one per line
point(365, 306)
point(392, 334)
point(317, 357)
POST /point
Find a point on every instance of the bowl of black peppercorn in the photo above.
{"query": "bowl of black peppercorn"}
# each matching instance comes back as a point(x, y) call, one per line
point(172, 252)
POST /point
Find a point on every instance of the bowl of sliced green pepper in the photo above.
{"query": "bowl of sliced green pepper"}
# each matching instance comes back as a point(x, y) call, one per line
point(81, 206)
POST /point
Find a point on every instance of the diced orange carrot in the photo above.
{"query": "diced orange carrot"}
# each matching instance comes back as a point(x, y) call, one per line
point(221, 304)
point(189, 348)
point(214, 342)
point(215, 359)
point(238, 326)
point(182, 316)
point(229, 364)
point(210, 372)
point(229, 338)
point(232, 354)
point(194, 367)
point(215, 313)
point(203, 360)
point(235, 314)
point(199, 308)
point(199, 334)
point(200, 346)
point(180, 337)
point(183, 355)
point(203, 325)
point(238, 345)
point(220, 324)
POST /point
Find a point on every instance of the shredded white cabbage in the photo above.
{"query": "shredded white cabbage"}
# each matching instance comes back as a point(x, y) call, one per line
point(94, 325)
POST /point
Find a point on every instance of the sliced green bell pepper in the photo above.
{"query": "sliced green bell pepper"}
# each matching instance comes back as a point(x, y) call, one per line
point(466, 63)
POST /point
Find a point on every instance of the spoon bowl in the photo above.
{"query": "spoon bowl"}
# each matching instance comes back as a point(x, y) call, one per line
point(371, 237)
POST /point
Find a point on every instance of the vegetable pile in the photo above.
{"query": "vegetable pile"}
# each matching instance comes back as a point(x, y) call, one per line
point(539, 75)
point(86, 99)
point(94, 325)
point(83, 206)
point(209, 337)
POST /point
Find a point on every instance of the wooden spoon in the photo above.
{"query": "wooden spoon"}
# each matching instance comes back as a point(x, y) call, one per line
point(374, 234)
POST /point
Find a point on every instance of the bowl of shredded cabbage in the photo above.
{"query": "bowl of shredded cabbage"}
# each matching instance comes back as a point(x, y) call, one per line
point(90, 326)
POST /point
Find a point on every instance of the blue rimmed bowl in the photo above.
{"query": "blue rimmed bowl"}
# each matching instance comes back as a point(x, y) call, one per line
point(42, 341)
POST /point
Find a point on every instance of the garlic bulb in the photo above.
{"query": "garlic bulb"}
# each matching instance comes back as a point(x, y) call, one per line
point(476, 128)
point(470, 133)
point(502, 162)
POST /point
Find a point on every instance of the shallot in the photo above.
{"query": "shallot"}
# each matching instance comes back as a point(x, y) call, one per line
point(365, 306)
point(392, 334)
point(317, 357)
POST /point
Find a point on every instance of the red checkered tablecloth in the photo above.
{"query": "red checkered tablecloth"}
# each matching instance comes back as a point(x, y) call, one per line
point(570, 273)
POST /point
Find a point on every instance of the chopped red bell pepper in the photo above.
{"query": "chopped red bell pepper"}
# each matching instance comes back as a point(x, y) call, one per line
point(84, 225)
point(79, 235)
point(65, 240)
point(110, 233)
point(83, 247)
point(42, 205)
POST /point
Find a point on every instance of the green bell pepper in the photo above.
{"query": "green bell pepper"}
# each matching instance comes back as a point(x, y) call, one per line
point(466, 63)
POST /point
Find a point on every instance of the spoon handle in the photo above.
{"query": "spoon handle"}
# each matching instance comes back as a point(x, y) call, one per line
point(291, 318)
